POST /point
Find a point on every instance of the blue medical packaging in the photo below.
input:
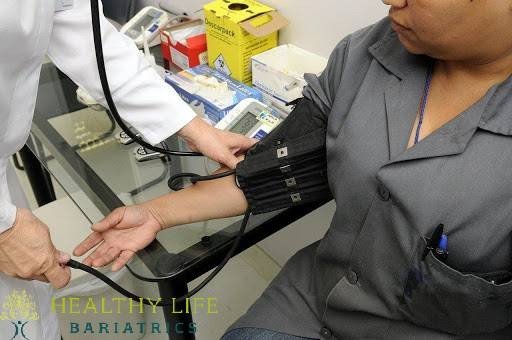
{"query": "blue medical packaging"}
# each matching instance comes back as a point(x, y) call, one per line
point(209, 92)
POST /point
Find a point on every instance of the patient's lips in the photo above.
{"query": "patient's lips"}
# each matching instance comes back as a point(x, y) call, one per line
point(398, 27)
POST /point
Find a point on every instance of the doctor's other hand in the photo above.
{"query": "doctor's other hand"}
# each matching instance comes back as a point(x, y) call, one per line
point(221, 146)
point(27, 252)
point(119, 236)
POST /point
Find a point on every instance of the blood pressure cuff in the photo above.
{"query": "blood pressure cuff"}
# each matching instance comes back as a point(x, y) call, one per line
point(288, 167)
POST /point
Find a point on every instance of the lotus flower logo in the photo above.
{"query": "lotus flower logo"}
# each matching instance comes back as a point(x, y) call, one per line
point(19, 308)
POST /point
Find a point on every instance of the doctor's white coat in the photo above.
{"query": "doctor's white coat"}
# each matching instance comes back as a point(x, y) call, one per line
point(31, 29)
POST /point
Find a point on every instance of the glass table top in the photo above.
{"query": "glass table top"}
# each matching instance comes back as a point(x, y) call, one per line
point(78, 146)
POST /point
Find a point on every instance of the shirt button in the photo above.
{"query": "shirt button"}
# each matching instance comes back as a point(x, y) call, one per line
point(383, 192)
point(326, 332)
point(352, 277)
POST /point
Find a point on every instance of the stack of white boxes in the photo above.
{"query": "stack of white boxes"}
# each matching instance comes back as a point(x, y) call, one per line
point(279, 73)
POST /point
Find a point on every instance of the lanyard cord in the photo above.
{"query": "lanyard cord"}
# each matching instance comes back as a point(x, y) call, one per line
point(423, 105)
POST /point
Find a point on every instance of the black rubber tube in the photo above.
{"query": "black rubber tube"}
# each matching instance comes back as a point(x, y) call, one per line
point(113, 110)
point(100, 60)
point(77, 265)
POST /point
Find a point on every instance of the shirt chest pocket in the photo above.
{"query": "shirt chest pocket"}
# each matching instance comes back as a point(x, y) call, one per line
point(465, 295)
point(388, 275)
point(443, 298)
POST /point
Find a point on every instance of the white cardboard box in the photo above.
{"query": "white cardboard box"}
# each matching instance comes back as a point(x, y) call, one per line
point(280, 71)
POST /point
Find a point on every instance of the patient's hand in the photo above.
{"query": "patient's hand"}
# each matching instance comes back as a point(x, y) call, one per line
point(119, 236)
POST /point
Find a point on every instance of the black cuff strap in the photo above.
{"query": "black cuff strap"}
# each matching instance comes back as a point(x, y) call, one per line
point(289, 167)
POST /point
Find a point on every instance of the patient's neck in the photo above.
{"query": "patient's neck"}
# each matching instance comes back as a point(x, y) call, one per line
point(482, 71)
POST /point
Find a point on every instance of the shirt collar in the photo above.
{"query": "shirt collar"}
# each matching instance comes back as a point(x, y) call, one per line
point(497, 116)
point(393, 56)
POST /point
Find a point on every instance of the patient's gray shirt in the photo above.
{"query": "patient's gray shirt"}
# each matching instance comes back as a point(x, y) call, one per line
point(370, 276)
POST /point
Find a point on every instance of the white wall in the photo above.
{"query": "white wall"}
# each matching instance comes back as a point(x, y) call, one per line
point(316, 26)
point(319, 25)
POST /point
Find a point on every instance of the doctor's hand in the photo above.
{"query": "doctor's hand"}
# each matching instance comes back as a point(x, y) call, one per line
point(119, 236)
point(221, 146)
point(27, 252)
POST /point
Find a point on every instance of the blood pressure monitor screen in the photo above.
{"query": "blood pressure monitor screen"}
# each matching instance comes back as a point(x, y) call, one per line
point(245, 124)
point(145, 21)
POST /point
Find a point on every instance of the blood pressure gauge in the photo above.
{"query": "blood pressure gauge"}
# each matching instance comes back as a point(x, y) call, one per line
point(250, 118)
point(152, 19)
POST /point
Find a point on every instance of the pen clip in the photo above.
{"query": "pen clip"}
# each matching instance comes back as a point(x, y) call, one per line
point(434, 240)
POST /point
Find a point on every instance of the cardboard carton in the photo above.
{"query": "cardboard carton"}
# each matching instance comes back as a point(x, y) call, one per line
point(236, 30)
point(210, 93)
point(279, 72)
point(188, 52)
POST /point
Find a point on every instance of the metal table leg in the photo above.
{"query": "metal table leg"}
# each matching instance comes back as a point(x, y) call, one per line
point(39, 178)
point(178, 324)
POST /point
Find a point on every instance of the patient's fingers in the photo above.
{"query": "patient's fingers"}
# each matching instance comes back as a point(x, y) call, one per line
point(90, 242)
point(107, 257)
point(96, 254)
point(113, 219)
point(103, 255)
point(123, 259)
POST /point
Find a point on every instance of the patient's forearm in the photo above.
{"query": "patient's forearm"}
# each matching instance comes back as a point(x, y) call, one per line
point(202, 201)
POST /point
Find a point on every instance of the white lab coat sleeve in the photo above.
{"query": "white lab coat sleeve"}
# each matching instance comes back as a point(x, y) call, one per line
point(7, 209)
point(143, 99)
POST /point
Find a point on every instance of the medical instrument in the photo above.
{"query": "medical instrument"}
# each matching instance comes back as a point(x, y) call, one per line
point(85, 98)
point(307, 121)
point(152, 19)
point(289, 166)
point(142, 154)
point(121, 290)
point(123, 138)
point(285, 169)
point(250, 118)
point(166, 163)
point(106, 88)
point(194, 178)
point(108, 96)
point(288, 173)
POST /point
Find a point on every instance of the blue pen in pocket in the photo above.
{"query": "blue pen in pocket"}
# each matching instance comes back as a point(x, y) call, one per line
point(441, 252)
point(434, 240)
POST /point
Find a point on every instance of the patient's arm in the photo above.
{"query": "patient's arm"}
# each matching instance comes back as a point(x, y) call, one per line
point(129, 229)
point(202, 201)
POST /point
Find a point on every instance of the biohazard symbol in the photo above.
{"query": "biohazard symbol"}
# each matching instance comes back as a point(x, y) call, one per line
point(221, 66)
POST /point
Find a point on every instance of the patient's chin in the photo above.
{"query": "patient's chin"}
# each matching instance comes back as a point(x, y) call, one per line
point(410, 46)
